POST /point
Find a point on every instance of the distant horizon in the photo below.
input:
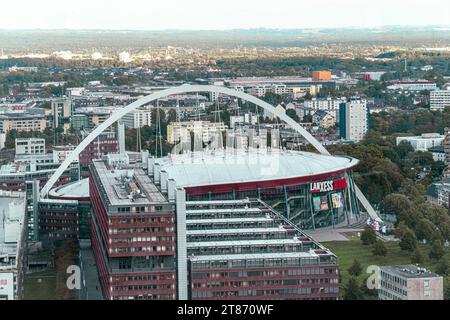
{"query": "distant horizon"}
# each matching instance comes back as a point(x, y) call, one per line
point(204, 15)
point(233, 29)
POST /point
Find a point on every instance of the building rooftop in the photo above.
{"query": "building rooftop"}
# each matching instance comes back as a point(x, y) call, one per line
point(236, 231)
point(77, 189)
point(60, 201)
point(227, 220)
point(224, 167)
point(127, 185)
point(106, 110)
point(12, 216)
point(234, 210)
point(409, 271)
point(424, 136)
point(252, 256)
point(218, 202)
point(206, 244)
point(21, 116)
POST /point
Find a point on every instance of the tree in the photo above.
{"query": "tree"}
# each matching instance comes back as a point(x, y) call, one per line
point(414, 191)
point(307, 118)
point(443, 267)
point(379, 249)
point(437, 250)
point(273, 98)
point(437, 168)
point(447, 288)
point(353, 291)
point(368, 293)
point(355, 269)
point(408, 240)
point(291, 113)
point(395, 203)
point(404, 148)
point(424, 229)
point(368, 235)
point(416, 256)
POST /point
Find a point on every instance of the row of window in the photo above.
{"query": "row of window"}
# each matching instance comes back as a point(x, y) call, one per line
point(58, 221)
point(261, 283)
point(139, 210)
point(144, 278)
point(143, 287)
point(140, 230)
point(278, 262)
point(58, 214)
point(265, 273)
point(147, 296)
point(393, 278)
point(388, 295)
point(142, 249)
point(279, 292)
point(141, 239)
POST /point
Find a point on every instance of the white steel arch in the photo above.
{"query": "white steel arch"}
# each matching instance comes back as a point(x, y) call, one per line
point(188, 89)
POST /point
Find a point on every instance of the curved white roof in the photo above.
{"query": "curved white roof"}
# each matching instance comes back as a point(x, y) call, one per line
point(78, 189)
point(223, 167)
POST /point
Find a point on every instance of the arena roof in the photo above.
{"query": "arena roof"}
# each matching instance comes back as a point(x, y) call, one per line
point(78, 189)
point(225, 167)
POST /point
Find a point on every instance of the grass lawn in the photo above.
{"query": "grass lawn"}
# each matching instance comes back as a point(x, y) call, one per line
point(43, 290)
point(347, 251)
point(44, 285)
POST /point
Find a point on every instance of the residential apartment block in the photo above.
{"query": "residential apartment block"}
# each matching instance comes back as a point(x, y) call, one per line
point(409, 282)
point(353, 120)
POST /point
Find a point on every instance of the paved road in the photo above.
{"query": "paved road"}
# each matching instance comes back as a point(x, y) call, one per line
point(91, 290)
point(324, 235)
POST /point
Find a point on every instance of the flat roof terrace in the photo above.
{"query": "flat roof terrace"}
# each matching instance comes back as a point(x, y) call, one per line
point(127, 185)
point(12, 215)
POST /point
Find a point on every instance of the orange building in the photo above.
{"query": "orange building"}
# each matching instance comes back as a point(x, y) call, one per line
point(321, 75)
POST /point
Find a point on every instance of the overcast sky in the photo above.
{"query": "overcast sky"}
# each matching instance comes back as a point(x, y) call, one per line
point(214, 14)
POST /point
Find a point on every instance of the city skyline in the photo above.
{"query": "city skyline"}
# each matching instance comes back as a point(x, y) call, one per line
point(202, 15)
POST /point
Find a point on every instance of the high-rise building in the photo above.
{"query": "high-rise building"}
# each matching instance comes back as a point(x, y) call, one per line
point(12, 238)
point(133, 234)
point(439, 100)
point(151, 242)
point(409, 282)
point(354, 119)
point(241, 249)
